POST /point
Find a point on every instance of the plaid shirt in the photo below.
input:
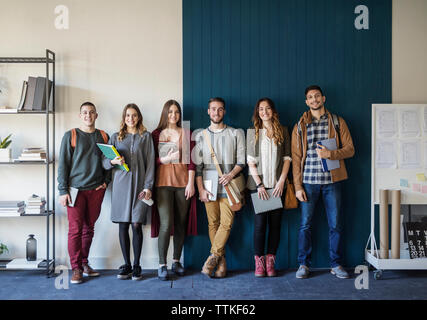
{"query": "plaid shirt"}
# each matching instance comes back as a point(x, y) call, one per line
point(317, 131)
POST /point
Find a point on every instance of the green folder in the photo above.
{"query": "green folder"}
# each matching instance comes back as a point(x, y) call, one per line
point(110, 152)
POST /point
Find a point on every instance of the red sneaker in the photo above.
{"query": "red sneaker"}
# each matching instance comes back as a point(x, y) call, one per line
point(259, 266)
point(270, 260)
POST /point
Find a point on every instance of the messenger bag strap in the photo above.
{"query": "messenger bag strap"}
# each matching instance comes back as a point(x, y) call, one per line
point(213, 155)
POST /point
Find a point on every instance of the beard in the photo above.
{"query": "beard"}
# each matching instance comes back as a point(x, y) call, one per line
point(217, 122)
point(317, 108)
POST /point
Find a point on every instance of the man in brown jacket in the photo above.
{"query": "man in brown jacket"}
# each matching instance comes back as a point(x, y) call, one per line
point(311, 182)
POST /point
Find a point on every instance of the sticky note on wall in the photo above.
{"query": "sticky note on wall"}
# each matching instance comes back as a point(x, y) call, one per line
point(416, 187)
point(404, 183)
point(421, 177)
point(424, 189)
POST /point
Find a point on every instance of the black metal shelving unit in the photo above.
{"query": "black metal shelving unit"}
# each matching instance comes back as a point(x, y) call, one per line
point(49, 61)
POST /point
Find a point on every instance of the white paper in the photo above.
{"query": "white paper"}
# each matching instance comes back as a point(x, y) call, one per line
point(409, 123)
point(385, 156)
point(386, 123)
point(208, 186)
point(410, 154)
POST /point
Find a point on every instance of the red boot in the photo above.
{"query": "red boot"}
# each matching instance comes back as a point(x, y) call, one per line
point(259, 266)
point(270, 260)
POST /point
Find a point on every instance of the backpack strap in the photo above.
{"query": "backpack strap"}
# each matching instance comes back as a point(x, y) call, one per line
point(336, 122)
point(300, 133)
point(104, 135)
point(73, 138)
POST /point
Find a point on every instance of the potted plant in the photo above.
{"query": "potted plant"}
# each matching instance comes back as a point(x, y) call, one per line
point(5, 154)
point(3, 248)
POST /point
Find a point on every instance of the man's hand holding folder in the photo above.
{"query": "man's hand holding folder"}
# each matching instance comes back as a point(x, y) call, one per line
point(323, 152)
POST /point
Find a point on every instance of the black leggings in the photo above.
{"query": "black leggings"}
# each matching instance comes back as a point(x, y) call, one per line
point(136, 241)
point(274, 223)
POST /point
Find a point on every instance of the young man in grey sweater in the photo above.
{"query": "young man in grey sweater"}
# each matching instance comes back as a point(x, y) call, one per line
point(229, 147)
point(80, 167)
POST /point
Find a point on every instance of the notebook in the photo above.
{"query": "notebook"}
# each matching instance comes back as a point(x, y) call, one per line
point(73, 195)
point(272, 203)
point(210, 183)
point(328, 165)
point(110, 152)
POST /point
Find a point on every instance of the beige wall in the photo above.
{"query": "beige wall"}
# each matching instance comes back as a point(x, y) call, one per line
point(409, 53)
point(114, 52)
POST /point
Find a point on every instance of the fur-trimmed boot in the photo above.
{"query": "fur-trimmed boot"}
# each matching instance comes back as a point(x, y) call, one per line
point(210, 265)
point(222, 268)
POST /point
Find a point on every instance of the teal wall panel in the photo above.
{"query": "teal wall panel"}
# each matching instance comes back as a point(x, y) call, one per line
point(243, 50)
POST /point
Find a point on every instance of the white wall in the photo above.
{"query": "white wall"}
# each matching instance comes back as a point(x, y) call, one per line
point(409, 63)
point(113, 53)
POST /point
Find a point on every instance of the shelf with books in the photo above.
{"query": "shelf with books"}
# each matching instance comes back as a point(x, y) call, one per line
point(45, 214)
point(51, 212)
point(27, 60)
point(15, 111)
point(23, 264)
point(28, 162)
point(38, 98)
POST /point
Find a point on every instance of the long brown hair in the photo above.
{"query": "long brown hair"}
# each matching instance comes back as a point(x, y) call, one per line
point(123, 127)
point(257, 121)
point(163, 123)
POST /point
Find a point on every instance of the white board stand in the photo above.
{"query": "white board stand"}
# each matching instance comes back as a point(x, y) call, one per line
point(389, 178)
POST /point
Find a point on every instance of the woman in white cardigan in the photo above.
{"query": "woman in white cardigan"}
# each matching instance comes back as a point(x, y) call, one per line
point(269, 158)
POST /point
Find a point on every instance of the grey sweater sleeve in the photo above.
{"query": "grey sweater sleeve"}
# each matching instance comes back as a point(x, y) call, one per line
point(150, 161)
point(64, 166)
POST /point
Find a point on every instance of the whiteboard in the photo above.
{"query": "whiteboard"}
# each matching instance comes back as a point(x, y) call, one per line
point(399, 151)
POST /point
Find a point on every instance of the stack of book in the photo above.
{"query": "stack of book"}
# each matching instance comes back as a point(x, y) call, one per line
point(11, 208)
point(33, 154)
point(35, 205)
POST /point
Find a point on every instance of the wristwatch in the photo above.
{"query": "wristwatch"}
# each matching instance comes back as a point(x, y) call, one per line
point(260, 185)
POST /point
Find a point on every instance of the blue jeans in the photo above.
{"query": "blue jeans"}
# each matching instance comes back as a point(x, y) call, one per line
point(331, 194)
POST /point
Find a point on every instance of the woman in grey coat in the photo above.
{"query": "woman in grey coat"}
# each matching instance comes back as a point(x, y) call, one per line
point(135, 146)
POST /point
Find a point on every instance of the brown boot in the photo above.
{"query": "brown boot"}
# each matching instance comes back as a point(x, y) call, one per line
point(222, 268)
point(77, 276)
point(210, 265)
point(88, 271)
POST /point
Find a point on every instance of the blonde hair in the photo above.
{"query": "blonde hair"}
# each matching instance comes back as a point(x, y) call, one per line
point(123, 127)
point(278, 137)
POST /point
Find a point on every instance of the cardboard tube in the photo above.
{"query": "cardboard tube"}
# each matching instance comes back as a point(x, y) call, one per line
point(395, 224)
point(384, 224)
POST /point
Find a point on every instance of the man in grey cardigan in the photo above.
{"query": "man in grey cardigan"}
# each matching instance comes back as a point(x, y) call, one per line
point(229, 147)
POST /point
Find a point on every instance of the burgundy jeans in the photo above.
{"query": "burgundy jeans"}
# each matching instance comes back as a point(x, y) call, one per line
point(81, 225)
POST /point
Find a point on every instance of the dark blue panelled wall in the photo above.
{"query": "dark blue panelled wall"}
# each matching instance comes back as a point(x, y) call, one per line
point(243, 50)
